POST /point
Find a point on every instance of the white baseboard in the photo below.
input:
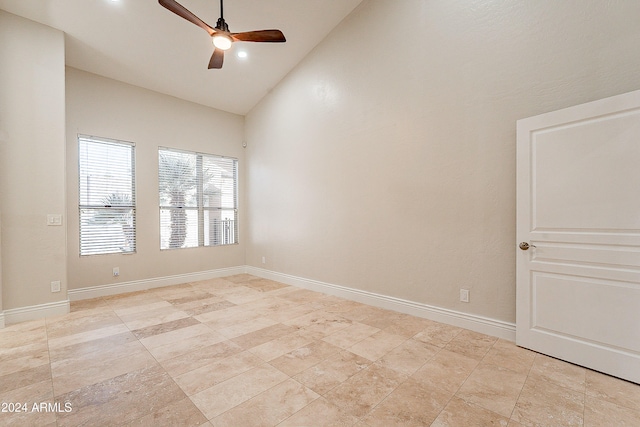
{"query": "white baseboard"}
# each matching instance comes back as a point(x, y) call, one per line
point(473, 322)
point(34, 312)
point(156, 282)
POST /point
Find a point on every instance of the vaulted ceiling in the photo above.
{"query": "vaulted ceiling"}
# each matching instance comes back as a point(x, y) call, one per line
point(141, 43)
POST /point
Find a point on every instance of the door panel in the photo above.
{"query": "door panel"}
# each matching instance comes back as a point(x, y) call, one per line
point(578, 285)
point(615, 305)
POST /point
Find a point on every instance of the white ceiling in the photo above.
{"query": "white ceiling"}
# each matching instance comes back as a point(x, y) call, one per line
point(141, 43)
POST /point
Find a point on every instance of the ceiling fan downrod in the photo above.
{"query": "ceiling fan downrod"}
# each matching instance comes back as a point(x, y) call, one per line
point(221, 24)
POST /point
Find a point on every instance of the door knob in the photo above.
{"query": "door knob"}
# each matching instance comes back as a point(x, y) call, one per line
point(525, 246)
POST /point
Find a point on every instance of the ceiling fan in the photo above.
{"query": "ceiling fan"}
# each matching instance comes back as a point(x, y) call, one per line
point(222, 37)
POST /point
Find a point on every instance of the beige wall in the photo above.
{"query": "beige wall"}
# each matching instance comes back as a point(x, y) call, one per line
point(32, 161)
point(385, 161)
point(106, 108)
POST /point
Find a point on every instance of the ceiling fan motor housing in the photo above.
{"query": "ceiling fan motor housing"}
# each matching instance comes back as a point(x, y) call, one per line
point(222, 25)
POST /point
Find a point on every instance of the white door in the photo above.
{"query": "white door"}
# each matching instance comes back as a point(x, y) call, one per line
point(578, 209)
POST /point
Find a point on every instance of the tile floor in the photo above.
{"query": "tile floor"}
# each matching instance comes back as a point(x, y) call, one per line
point(245, 351)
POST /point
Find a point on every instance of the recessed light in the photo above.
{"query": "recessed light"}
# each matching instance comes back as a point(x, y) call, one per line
point(242, 54)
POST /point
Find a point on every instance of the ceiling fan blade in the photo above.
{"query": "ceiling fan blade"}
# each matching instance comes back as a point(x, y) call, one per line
point(269, 36)
point(216, 59)
point(183, 12)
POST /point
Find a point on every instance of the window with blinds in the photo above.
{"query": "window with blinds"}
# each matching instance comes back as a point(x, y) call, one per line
point(107, 196)
point(198, 199)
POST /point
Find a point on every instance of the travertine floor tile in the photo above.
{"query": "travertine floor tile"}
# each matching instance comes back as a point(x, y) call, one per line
point(71, 374)
point(240, 278)
point(152, 317)
point(198, 307)
point(121, 399)
point(559, 372)
point(471, 344)
point(265, 285)
point(27, 396)
point(269, 407)
point(320, 321)
point(25, 361)
point(9, 353)
point(408, 327)
point(229, 394)
point(509, 356)
point(88, 304)
point(23, 334)
point(288, 313)
point(493, 388)
point(207, 376)
point(438, 334)
point(280, 346)
point(24, 378)
point(201, 357)
point(614, 390)
point(409, 356)
point(132, 299)
point(241, 295)
point(162, 328)
point(142, 308)
point(328, 374)
point(459, 413)
point(174, 336)
point(320, 412)
point(83, 337)
point(602, 413)
point(302, 296)
point(261, 336)
point(304, 357)
point(350, 335)
point(377, 345)
point(182, 413)
point(184, 345)
point(247, 327)
point(245, 351)
point(362, 392)
point(64, 326)
point(411, 404)
point(189, 296)
point(446, 371)
point(545, 403)
point(84, 349)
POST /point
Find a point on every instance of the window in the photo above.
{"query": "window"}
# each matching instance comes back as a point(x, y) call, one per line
point(107, 196)
point(198, 199)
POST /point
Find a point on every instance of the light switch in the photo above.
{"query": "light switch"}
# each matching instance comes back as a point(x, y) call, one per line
point(54, 219)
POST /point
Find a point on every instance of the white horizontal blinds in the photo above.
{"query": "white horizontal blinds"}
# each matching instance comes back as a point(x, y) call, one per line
point(107, 196)
point(220, 214)
point(198, 199)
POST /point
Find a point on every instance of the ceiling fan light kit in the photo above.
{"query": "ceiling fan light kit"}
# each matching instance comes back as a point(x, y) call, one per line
point(221, 41)
point(221, 36)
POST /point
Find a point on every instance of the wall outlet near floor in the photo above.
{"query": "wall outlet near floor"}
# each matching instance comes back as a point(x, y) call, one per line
point(264, 260)
point(464, 295)
point(116, 271)
point(55, 286)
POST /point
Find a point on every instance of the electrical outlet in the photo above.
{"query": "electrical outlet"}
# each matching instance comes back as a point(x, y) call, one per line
point(464, 295)
point(116, 271)
point(55, 286)
point(264, 260)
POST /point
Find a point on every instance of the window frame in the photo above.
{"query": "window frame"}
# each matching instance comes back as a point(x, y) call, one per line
point(130, 235)
point(226, 238)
